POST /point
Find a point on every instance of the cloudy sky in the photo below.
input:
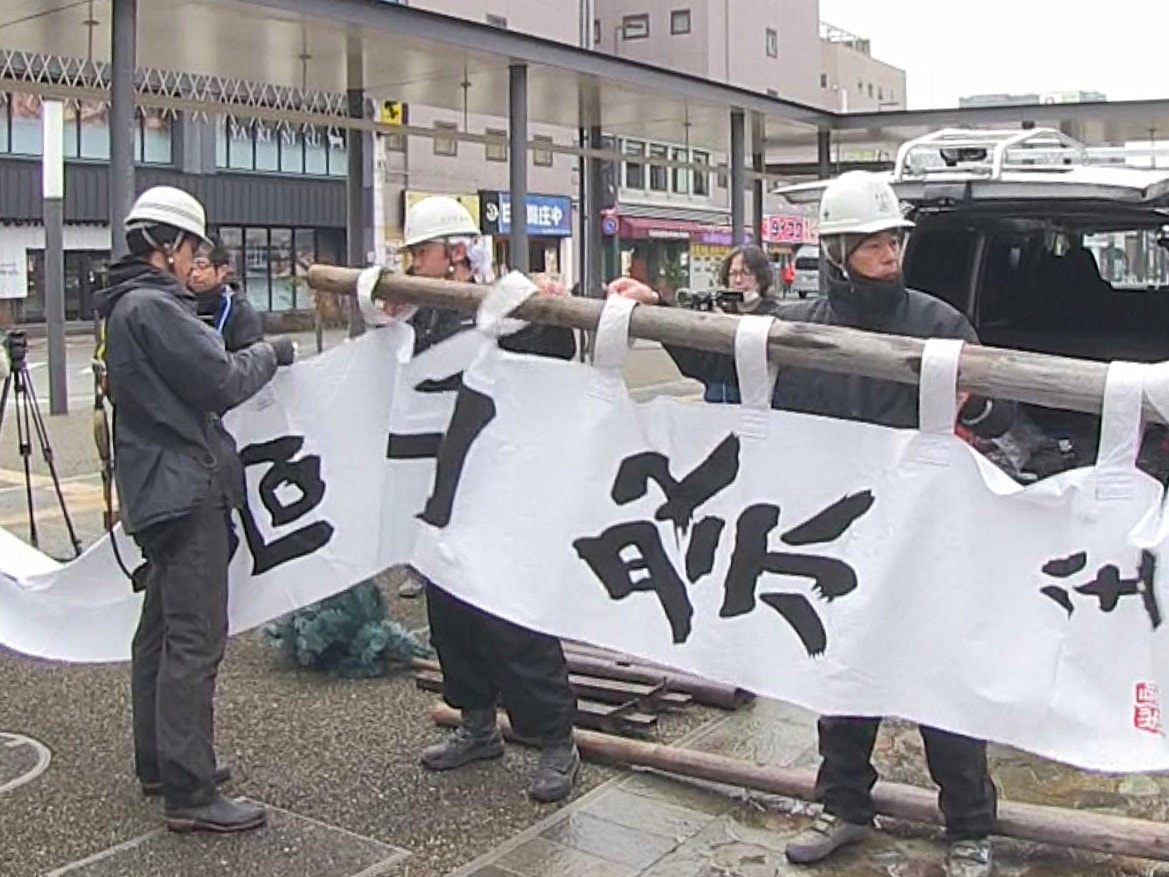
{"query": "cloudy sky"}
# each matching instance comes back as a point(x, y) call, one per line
point(951, 49)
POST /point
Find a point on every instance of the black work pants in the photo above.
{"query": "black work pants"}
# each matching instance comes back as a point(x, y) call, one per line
point(487, 660)
point(176, 653)
point(967, 799)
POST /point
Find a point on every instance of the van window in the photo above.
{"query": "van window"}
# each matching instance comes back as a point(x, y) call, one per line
point(940, 262)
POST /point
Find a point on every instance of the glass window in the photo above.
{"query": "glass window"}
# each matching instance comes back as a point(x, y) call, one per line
point(772, 43)
point(634, 170)
point(220, 141)
point(445, 145)
point(283, 279)
point(156, 138)
point(232, 238)
point(680, 21)
point(823, 80)
point(701, 178)
point(3, 122)
point(267, 146)
point(26, 124)
point(496, 20)
point(497, 151)
point(635, 27)
point(316, 159)
point(256, 278)
point(304, 242)
point(596, 31)
point(291, 151)
point(542, 157)
point(338, 153)
point(95, 129)
point(870, 89)
point(240, 147)
point(69, 131)
point(681, 175)
point(659, 177)
point(880, 93)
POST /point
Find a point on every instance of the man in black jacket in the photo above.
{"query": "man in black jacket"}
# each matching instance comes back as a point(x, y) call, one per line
point(178, 476)
point(220, 304)
point(487, 660)
point(862, 287)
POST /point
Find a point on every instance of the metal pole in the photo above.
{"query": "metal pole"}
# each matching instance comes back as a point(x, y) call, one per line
point(518, 156)
point(123, 54)
point(53, 190)
point(738, 177)
point(757, 187)
point(355, 172)
point(824, 154)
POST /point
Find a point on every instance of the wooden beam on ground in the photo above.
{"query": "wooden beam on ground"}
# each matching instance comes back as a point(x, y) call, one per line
point(617, 718)
point(1115, 835)
point(1036, 378)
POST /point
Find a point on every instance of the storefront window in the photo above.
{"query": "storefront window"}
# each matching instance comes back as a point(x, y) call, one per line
point(291, 151)
point(95, 129)
point(316, 156)
point(26, 124)
point(3, 122)
point(280, 262)
point(221, 141)
point(240, 152)
point(267, 147)
point(338, 153)
point(271, 264)
point(156, 137)
point(256, 276)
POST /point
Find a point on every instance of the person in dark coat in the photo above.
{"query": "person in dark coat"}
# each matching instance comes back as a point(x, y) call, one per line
point(220, 303)
point(178, 477)
point(487, 660)
point(862, 287)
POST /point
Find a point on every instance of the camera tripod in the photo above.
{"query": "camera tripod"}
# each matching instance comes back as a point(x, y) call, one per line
point(30, 422)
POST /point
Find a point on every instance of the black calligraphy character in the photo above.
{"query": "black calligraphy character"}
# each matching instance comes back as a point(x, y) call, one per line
point(683, 498)
point(649, 569)
point(422, 445)
point(1107, 587)
point(473, 411)
point(304, 475)
point(831, 578)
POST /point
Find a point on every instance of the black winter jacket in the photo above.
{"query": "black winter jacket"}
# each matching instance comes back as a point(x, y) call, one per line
point(170, 380)
point(886, 308)
point(229, 312)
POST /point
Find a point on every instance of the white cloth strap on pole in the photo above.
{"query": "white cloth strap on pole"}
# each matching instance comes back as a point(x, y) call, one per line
point(756, 375)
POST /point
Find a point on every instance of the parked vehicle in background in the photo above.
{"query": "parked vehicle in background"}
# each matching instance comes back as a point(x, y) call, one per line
point(807, 265)
point(1042, 250)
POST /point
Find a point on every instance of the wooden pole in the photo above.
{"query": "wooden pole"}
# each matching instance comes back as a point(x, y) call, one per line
point(1035, 378)
point(1115, 835)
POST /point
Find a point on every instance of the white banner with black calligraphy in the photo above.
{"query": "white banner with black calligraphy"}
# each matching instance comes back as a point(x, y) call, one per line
point(339, 457)
point(850, 568)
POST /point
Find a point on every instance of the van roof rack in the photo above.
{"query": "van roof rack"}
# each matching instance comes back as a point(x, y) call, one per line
point(988, 152)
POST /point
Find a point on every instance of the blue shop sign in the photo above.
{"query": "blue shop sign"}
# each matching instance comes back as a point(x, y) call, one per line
point(548, 215)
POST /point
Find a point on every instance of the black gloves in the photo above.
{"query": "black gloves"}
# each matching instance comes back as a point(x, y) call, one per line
point(285, 350)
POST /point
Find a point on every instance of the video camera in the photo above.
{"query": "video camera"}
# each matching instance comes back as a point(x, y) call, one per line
point(16, 347)
point(708, 299)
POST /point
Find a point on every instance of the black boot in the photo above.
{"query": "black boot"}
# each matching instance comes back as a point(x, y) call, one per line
point(153, 788)
point(476, 739)
point(220, 815)
point(557, 772)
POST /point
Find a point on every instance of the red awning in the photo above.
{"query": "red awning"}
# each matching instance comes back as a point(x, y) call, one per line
point(640, 228)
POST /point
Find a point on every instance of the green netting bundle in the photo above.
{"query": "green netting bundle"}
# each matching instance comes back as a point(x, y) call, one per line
point(348, 634)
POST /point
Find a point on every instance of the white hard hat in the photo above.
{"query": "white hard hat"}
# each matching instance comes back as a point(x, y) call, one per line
point(438, 217)
point(166, 205)
point(860, 202)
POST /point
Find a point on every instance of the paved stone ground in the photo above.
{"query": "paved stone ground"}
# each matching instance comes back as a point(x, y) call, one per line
point(652, 825)
point(336, 760)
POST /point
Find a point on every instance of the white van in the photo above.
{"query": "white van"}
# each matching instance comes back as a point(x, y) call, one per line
point(807, 265)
